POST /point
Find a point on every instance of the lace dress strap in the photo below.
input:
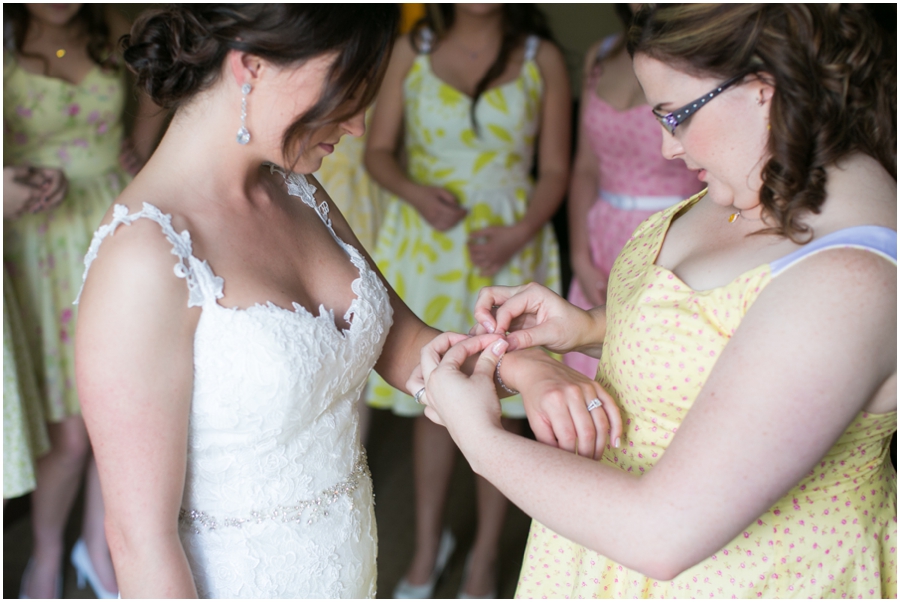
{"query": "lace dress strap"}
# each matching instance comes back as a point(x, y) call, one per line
point(203, 285)
point(299, 186)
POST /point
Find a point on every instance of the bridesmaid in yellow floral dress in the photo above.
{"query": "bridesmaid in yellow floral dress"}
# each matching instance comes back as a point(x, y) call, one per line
point(750, 335)
point(63, 101)
point(466, 214)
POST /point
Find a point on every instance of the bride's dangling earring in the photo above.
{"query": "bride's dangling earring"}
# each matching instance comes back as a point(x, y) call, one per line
point(243, 136)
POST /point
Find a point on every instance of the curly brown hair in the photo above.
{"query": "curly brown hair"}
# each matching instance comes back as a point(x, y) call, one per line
point(835, 91)
point(178, 51)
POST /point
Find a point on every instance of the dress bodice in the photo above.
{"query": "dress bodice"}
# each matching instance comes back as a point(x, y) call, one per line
point(53, 123)
point(626, 145)
point(443, 147)
point(831, 535)
point(273, 435)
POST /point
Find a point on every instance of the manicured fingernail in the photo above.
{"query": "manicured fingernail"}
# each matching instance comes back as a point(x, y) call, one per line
point(499, 347)
point(617, 442)
point(488, 326)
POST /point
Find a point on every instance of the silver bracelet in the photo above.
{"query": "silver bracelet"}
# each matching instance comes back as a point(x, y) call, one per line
point(500, 380)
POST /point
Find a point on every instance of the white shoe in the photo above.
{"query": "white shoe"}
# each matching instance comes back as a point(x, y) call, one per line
point(84, 568)
point(406, 590)
point(26, 577)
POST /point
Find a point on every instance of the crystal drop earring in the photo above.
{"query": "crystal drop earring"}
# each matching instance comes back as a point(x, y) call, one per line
point(243, 136)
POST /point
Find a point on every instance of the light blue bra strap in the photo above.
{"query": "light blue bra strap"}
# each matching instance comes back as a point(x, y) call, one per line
point(877, 239)
point(531, 47)
point(426, 40)
point(606, 45)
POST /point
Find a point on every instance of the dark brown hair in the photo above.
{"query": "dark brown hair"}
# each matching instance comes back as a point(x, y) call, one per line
point(178, 51)
point(835, 91)
point(91, 18)
point(519, 22)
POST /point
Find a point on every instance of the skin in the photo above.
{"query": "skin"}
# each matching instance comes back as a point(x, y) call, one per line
point(705, 489)
point(38, 189)
point(263, 243)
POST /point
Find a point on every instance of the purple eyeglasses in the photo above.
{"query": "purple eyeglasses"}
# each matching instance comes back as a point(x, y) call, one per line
point(672, 120)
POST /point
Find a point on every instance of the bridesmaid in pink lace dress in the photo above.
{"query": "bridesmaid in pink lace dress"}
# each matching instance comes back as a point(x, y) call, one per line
point(619, 178)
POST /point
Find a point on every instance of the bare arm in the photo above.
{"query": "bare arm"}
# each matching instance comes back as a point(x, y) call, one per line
point(436, 205)
point(824, 336)
point(491, 248)
point(583, 189)
point(134, 353)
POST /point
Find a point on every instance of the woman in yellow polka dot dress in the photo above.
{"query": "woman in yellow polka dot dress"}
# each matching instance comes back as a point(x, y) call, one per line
point(473, 94)
point(750, 335)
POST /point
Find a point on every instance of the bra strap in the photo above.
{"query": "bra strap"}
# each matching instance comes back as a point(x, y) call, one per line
point(426, 40)
point(532, 43)
point(876, 239)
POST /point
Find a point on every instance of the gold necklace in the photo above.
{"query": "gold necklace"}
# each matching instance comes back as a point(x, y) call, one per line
point(734, 216)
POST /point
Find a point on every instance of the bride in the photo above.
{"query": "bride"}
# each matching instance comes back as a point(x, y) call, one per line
point(229, 317)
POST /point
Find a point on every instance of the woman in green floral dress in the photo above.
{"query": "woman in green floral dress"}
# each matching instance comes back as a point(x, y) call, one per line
point(474, 95)
point(63, 102)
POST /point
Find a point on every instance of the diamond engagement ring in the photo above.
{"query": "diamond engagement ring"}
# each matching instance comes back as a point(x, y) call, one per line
point(592, 404)
point(419, 395)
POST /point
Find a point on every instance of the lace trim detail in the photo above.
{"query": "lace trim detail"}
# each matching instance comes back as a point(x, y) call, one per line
point(198, 520)
point(299, 186)
point(200, 287)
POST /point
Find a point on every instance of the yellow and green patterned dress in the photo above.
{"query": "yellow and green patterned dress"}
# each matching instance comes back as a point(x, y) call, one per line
point(489, 173)
point(49, 122)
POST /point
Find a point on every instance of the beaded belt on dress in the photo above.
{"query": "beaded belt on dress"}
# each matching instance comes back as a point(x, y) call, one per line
point(639, 203)
point(198, 520)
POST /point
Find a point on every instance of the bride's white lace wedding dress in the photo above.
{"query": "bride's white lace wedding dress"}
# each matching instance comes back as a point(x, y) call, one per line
point(277, 498)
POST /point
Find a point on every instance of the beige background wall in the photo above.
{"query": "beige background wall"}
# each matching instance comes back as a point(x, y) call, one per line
point(576, 27)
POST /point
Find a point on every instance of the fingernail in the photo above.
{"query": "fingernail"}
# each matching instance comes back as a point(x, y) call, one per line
point(488, 326)
point(499, 347)
point(617, 442)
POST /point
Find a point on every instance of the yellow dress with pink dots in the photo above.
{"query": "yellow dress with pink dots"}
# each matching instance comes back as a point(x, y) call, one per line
point(832, 535)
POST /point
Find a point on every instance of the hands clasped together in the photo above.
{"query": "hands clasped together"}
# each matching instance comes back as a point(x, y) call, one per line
point(565, 409)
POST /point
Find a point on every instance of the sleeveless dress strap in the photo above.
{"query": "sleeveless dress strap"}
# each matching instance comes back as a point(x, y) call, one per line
point(532, 43)
point(426, 40)
point(299, 186)
point(876, 239)
point(203, 285)
point(606, 45)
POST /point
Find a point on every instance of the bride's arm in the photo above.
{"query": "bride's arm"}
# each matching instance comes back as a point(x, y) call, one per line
point(556, 407)
point(134, 365)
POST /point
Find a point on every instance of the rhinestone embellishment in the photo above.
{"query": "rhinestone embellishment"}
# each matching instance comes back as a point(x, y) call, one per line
point(199, 521)
point(243, 136)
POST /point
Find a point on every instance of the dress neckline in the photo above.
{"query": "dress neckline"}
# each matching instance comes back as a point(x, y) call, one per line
point(686, 205)
point(489, 90)
point(59, 80)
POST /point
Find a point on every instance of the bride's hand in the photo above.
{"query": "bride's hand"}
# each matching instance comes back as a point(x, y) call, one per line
point(534, 316)
point(462, 403)
point(556, 400)
point(555, 396)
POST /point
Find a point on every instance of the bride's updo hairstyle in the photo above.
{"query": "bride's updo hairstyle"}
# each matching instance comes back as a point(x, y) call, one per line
point(177, 51)
point(835, 90)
